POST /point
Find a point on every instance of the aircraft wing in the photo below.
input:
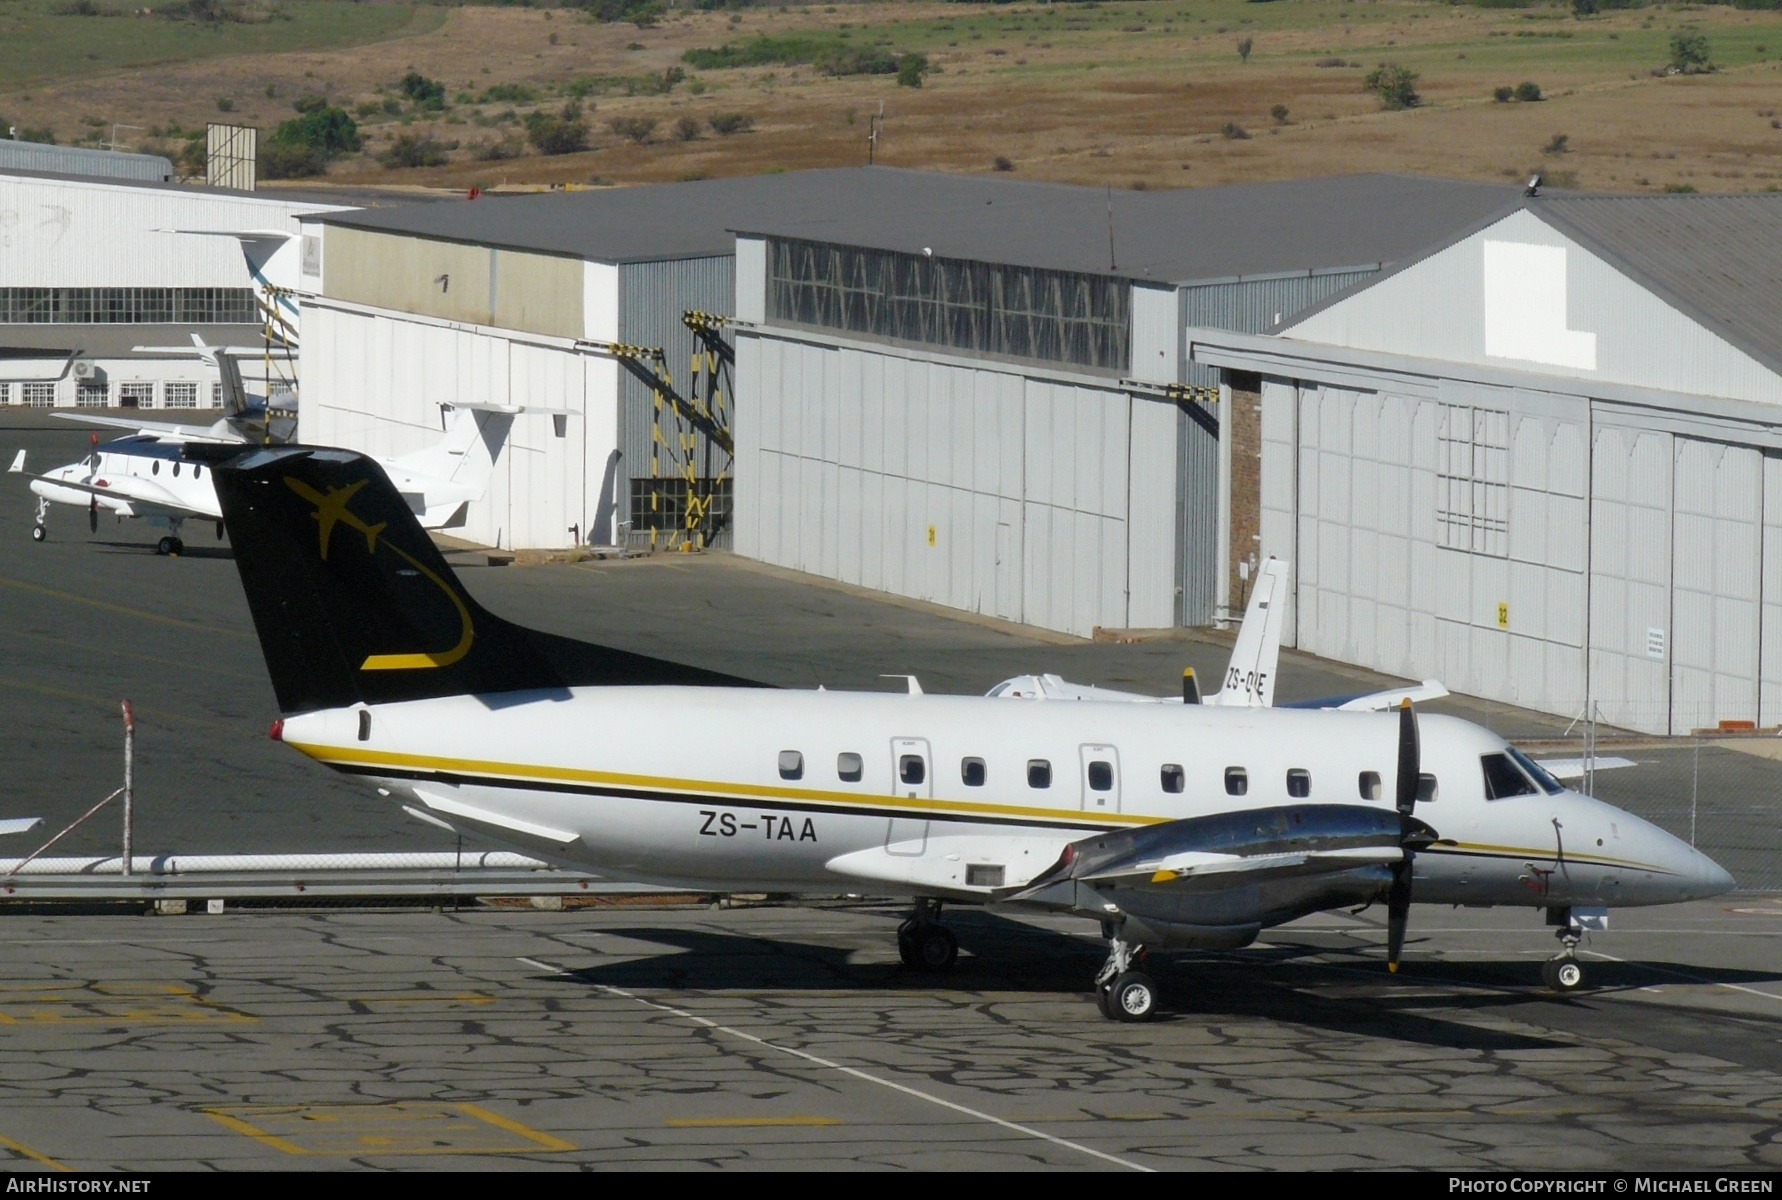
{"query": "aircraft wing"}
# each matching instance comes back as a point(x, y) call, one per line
point(19, 825)
point(1574, 768)
point(161, 429)
point(1382, 701)
point(144, 498)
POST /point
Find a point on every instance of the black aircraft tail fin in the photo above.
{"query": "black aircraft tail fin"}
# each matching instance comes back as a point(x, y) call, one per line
point(353, 602)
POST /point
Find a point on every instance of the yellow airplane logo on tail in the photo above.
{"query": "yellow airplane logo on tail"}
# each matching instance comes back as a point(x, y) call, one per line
point(331, 508)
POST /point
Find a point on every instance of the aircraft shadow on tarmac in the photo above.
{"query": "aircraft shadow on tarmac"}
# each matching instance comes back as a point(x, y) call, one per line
point(148, 548)
point(1280, 984)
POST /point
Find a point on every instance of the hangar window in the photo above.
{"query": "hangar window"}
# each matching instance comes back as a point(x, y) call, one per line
point(1472, 480)
point(1299, 783)
point(136, 395)
point(1021, 312)
point(1368, 785)
point(791, 764)
point(1237, 781)
point(850, 767)
point(127, 306)
point(1039, 773)
point(37, 395)
point(1173, 778)
point(179, 395)
point(973, 772)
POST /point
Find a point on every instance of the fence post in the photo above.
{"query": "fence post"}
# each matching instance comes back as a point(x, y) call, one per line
point(129, 783)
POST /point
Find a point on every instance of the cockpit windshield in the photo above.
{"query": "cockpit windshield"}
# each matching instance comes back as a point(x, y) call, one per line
point(1502, 779)
point(1536, 771)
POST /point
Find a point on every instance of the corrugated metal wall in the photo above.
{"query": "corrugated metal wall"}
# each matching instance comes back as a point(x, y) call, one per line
point(94, 233)
point(78, 160)
point(1253, 306)
point(1197, 513)
point(375, 382)
point(979, 489)
point(1630, 577)
point(652, 297)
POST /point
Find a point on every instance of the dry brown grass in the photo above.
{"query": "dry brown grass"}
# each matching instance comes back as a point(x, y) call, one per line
point(1094, 106)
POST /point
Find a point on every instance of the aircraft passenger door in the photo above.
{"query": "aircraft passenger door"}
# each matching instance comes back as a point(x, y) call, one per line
point(912, 778)
point(1100, 776)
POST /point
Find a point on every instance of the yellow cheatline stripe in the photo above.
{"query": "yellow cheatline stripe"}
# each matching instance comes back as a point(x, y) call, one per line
point(1548, 855)
point(468, 766)
point(746, 1122)
point(526, 1131)
point(126, 610)
point(259, 1135)
point(29, 1153)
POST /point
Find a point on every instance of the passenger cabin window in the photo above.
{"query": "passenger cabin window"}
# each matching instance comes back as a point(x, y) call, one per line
point(176, 470)
point(849, 766)
point(1101, 777)
point(1503, 780)
point(1299, 782)
point(973, 772)
point(154, 468)
point(1428, 790)
point(1368, 785)
point(791, 764)
point(1039, 773)
point(911, 769)
point(1537, 772)
point(1173, 778)
point(1237, 781)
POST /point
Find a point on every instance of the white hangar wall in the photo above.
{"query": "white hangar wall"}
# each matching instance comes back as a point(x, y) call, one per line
point(1590, 516)
point(1000, 491)
point(377, 380)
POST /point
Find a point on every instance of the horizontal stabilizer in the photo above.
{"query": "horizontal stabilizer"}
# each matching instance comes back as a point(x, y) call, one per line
point(495, 820)
point(18, 463)
point(19, 824)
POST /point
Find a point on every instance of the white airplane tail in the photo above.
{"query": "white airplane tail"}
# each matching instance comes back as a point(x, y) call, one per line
point(457, 457)
point(1250, 679)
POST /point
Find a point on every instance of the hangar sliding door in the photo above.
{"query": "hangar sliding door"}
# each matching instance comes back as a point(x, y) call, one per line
point(1718, 544)
point(1630, 577)
point(1769, 698)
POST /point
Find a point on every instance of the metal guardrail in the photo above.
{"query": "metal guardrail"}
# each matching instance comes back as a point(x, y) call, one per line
point(267, 876)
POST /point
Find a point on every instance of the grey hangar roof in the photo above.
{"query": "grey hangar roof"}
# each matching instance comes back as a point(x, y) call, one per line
point(1174, 236)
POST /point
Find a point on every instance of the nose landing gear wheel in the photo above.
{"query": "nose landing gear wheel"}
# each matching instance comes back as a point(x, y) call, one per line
point(1564, 974)
point(38, 533)
point(1132, 997)
point(170, 546)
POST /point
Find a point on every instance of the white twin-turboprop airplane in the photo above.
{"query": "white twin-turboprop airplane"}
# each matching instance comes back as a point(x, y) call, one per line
point(1172, 825)
point(146, 475)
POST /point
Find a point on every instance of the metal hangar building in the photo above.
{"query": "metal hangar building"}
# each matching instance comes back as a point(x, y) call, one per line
point(1542, 461)
point(976, 392)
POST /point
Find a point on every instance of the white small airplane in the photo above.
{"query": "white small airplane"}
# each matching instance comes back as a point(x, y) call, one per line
point(1249, 680)
point(146, 476)
point(1171, 825)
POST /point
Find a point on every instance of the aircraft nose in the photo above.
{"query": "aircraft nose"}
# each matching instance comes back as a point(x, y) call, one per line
point(1710, 877)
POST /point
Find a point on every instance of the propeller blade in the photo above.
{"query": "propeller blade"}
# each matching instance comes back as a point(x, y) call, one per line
point(1398, 911)
point(1409, 758)
point(93, 515)
point(1413, 834)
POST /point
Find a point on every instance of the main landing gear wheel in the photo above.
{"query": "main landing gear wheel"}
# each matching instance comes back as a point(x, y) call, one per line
point(923, 943)
point(1563, 974)
point(38, 533)
point(170, 546)
point(1132, 997)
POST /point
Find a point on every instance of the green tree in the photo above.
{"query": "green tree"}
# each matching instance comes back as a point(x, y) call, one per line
point(1689, 54)
point(910, 69)
point(1395, 85)
point(328, 131)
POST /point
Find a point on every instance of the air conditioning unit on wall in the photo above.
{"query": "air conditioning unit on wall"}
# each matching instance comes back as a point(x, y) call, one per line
point(86, 368)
